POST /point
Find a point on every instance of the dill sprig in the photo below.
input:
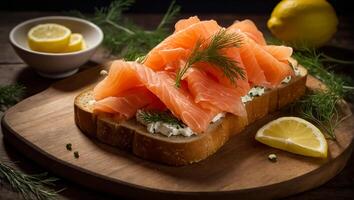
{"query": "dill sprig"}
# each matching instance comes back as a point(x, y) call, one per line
point(10, 95)
point(158, 116)
point(212, 52)
point(320, 106)
point(123, 37)
point(29, 186)
point(314, 63)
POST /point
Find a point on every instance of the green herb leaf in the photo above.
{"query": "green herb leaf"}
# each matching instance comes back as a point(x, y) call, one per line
point(158, 116)
point(169, 16)
point(10, 95)
point(319, 107)
point(123, 37)
point(76, 154)
point(313, 62)
point(29, 186)
point(69, 146)
point(211, 52)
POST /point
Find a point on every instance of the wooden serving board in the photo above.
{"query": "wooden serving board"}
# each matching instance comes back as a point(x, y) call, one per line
point(42, 125)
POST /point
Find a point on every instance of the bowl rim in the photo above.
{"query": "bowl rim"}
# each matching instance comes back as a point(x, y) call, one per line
point(15, 29)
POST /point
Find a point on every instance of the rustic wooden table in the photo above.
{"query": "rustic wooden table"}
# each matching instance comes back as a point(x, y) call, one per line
point(13, 70)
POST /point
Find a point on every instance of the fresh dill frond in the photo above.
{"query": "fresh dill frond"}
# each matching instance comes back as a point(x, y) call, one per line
point(29, 186)
point(112, 14)
point(320, 108)
point(317, 65)
point(212, 52)
point(123, 37)
point(140, 59)
point(169, 16)
point(314, 63)
point(158, 116)
point(273, 41)
point(327, 58)
point(10, 95)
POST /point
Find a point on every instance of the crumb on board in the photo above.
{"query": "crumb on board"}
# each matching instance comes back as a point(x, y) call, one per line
point(76, 154)
point(69, 146)
point(272, 157)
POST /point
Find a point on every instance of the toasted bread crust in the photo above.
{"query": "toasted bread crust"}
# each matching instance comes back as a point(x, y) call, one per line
point(178, 150)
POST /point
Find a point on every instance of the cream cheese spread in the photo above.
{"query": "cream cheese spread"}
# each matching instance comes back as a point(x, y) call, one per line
point(166, 129)
point(254, 92)
point(169, 130)
point(286, 80)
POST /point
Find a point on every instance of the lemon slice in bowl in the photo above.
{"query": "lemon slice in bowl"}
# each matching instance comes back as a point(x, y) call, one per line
point(51, 38)
point(295, 135)
point(76, 43)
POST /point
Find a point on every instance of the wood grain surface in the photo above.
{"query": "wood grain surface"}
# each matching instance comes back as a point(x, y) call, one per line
point(44, 124)
point(13, 70)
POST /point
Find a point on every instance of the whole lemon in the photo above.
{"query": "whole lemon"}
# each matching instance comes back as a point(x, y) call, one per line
point(303, 22)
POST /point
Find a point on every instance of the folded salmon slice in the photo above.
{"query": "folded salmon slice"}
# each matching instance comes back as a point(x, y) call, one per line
point(240, 85)
point(174, 58)
point(264, 64)
point(185, 23)
point(281, 53)
point(255, 74)
point(177, 100)
point(274, 70)
point(185, 38)
point(210, 94)
point(160, 84)
point(205, 90)
point(121, 77)
point(127, 103)
point(249, 28)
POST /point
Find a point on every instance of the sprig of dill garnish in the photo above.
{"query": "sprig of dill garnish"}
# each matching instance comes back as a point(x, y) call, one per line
point(212, 52)
point(320, 106)
point(314, 63)
point(10, 95)
point(149, 116)
point(123, 37)
point(29, 186)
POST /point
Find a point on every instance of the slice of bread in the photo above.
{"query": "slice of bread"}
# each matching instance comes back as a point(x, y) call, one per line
point(179, 150)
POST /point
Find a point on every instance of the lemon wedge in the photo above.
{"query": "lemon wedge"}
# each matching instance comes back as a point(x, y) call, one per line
point(295, 135)
point(76, 43)
point(51, 38)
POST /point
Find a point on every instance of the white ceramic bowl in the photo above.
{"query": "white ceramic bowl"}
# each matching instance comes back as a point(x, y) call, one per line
point(56, 65)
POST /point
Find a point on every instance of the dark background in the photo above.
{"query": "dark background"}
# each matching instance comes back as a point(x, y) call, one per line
point(343, 7)
point(12, 69)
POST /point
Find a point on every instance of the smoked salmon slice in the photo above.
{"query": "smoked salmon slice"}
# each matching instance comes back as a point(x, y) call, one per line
point(255, 74)
point(205, 90)
point(240, 85)
point(249, 28)
point(127, 104)
point(263, 64)
point(274, 70)
point(185, 39)
point(177, 100)
point(160, 84)
point(281, 53)
point(184, 23)
point(120, 78)
point(211, 94)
